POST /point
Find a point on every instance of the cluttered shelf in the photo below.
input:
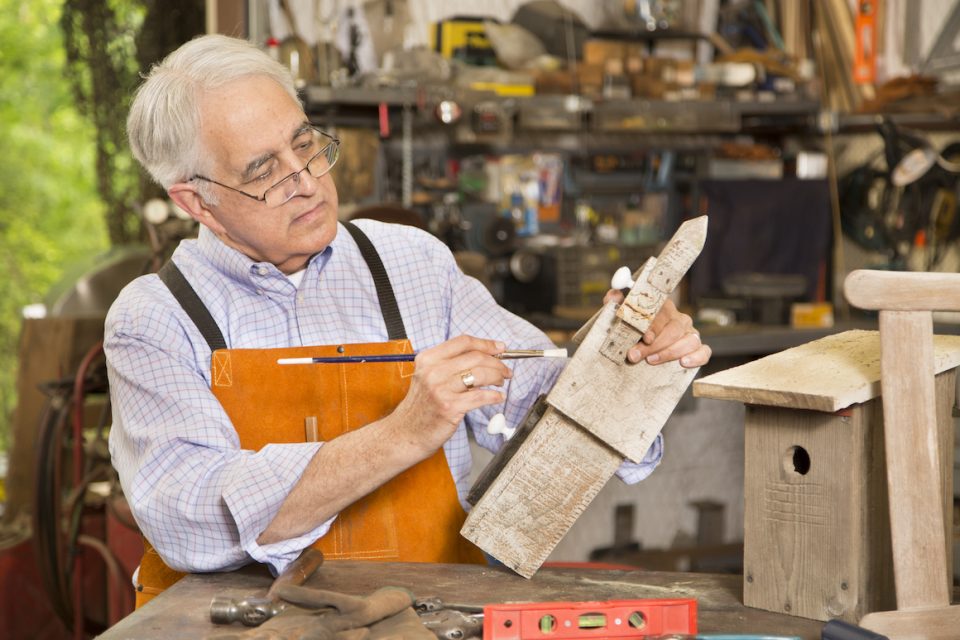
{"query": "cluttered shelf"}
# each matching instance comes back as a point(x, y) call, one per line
point(489, 114)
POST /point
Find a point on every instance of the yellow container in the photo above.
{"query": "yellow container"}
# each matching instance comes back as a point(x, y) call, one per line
point(811, 315)
point(463, 38)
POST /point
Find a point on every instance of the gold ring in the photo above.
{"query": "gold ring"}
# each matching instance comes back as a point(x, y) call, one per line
point(467, 379)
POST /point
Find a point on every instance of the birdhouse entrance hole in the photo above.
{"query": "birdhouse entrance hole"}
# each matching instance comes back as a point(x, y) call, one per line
point(796, 460)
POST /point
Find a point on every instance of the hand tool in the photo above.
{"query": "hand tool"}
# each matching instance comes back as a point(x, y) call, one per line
point(576, 620)
point(316, 613)
point(448, 624)
point(450, 621)
point(409, 357)
point(253, 611)
point(723, 636)
point(429, 605)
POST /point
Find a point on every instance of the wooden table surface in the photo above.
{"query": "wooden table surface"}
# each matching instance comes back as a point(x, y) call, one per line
point(183, 610)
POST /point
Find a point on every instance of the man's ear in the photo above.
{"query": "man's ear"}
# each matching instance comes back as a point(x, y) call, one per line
point(186, 197)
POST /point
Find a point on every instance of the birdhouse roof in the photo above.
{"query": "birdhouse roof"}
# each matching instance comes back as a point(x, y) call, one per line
point(828, 374)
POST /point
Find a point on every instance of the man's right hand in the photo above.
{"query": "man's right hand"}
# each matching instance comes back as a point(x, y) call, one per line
point(447, 383)
point(352, 465)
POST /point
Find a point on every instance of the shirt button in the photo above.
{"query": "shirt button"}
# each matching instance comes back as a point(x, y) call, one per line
point(300, 297)
point(262, 270)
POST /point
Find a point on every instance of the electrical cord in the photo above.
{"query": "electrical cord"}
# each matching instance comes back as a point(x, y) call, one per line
point(58, 502)
point(46, 512)
point(113, 566)
point(83, 383)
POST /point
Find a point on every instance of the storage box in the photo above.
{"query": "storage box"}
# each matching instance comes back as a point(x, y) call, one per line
point(811, 315)
point(463, 38)
point(597, 51)
point(555, 82)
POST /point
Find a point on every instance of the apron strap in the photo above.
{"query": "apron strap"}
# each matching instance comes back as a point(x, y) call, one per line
point(181, 289)
point(171, 276)
point(388, 302)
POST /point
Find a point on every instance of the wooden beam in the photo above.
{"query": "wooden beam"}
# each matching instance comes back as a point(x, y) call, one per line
point(913, 460)
point(870, 289)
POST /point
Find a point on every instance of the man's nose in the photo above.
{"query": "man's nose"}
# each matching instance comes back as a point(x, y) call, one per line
point(307, 184)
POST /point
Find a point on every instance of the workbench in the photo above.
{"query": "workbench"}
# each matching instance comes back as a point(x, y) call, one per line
point(183, 610)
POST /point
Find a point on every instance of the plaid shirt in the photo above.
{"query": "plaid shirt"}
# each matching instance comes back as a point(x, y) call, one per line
point(198, 497)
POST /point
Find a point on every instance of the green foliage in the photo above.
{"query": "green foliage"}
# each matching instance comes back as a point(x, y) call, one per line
point(99, 38)
point(50, 213)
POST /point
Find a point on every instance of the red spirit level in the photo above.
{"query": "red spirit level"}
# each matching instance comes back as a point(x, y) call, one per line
point(865, 43)
point(571, 620)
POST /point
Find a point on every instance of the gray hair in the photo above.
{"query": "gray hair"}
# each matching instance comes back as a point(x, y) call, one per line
point(163, 127)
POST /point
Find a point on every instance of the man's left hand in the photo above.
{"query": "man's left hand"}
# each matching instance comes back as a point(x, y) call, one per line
point(671, 336)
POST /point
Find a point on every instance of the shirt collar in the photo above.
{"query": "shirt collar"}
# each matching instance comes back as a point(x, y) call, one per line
point(240, 267)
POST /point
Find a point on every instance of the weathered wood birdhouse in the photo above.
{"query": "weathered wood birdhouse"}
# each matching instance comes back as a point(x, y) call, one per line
point(816, 518)
point(601, 411)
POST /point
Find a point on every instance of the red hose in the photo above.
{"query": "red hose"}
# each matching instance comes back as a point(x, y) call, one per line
point(78, 394)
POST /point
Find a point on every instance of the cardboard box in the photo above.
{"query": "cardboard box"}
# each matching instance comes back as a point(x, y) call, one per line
point(644, 86)
point(555, 82)
point(590, 79)
point(597, 51)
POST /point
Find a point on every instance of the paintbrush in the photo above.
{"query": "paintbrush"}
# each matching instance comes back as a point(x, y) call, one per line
point(408, 357)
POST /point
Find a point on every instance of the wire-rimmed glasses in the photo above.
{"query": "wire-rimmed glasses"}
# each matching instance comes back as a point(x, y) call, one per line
point(320, 150)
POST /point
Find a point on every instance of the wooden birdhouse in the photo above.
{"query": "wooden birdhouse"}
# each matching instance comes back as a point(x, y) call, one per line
point(816, 517)
point(602, 410)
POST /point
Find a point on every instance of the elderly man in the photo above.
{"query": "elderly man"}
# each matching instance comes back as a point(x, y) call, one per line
point(227, 456)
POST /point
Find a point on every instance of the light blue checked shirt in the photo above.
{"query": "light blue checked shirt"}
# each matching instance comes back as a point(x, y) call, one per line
point(198, 497)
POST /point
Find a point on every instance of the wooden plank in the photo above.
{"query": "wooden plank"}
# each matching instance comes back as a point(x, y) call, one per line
point(829, 374)
point(678, 255)
point(913, 460)
point(601, 409)
point(838, 21)
point(830, 60)
point(920, 624)
point(625, 405)
point(945, 389)
point(795, 24)
point(507, 451)
point(660, 276)
point(540, 493)
point(869, 289)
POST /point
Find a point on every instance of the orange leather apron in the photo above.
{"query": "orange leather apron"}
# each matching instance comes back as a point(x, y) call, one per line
point(415, 517)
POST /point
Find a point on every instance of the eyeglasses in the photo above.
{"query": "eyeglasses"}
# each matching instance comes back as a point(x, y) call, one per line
point(320, 150)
